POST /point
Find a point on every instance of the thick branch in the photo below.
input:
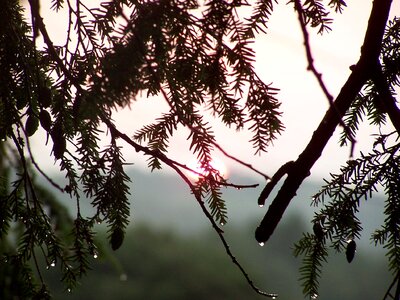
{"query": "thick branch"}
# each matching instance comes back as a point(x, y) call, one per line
point(388, 101)
point(361, 73)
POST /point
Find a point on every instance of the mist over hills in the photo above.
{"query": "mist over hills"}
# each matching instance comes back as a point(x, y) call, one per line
point(162, 200)
point(166, 217)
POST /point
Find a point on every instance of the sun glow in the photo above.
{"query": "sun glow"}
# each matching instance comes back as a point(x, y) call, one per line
point(216, 164)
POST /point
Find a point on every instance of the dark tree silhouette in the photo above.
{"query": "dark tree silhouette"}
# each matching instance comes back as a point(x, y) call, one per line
point(197, 57)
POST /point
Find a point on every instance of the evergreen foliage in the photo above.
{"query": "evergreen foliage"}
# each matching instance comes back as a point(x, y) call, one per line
point(199, 58)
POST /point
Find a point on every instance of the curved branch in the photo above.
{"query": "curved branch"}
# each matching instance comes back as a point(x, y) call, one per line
point(176, 166)
point(221, 237)
point(284, 169)
point(362, 71)
point(388, 291)
point(311, 67)
point(239, 161)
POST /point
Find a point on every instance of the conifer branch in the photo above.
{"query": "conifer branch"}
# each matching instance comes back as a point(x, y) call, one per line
point(194, 63)
point(387, 99)
point(302, 166)
point(174, 165)
point(220, 233)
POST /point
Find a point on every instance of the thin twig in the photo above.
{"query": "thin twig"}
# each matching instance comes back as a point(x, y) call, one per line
point(311, 67)
point(388, 293)
point(54, 184)
point(37, 267)
point(238, 186)
point(234, 158)
point(397, 293)
point(193, 129)
point(157, 154)
point(172, 164)
point(221, 236)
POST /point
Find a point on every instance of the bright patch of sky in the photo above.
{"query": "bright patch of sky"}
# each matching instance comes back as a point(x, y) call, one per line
point(281, 61)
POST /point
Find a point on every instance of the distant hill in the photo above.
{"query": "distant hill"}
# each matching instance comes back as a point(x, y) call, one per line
point(168, 232)
point(161, 200)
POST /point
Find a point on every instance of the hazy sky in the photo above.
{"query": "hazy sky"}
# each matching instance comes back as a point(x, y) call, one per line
point(280, 60)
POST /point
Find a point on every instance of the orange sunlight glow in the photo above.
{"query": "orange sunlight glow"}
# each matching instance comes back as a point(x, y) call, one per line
point(216, 163)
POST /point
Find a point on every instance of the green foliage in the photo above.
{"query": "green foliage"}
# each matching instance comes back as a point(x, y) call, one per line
point(390, 56)
point(198, 64)
point(316, 13)
point(315, 254)
point(201, 269)
point(198, 267)
point(338, 221)
point(208, 188)
point(369, 102)
point(359, 179)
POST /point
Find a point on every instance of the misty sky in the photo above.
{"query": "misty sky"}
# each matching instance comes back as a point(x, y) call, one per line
point(281, 61)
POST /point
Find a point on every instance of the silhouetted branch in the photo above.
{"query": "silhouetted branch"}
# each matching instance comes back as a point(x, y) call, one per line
point(362, 71)
point(234, 158)
point(284, 169)
point(388, 101)
point(189, 126)
point(175, 166)
point(311, 67)
point(388, 291)
point(221, 237)
point(397, 293)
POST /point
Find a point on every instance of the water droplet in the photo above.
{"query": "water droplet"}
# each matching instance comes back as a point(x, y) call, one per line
point(95, 255)
point(261, 205)
point(222, 223)
point(69, 290)
point(3, 139)
point(273, 297)
point(314, 296)
point(53, 264)
point(123, 277)
point(261, 244)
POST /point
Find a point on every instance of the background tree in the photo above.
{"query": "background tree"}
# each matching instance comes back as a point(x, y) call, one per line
point(198, 57)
